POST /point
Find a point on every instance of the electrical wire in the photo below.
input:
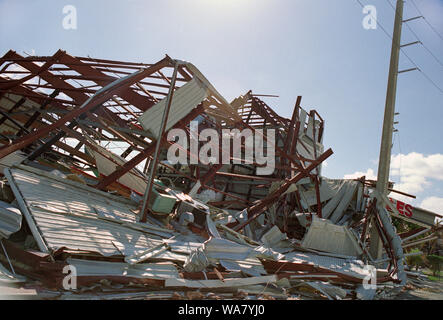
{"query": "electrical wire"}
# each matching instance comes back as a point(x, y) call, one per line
point(426, 20)
point(404, 53)
point(418, 38)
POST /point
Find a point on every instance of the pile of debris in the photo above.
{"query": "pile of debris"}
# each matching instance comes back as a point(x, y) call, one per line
point(80, 221)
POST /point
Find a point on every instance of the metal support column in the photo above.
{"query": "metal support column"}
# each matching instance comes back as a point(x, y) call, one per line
point(388, 123)
point(148, 192)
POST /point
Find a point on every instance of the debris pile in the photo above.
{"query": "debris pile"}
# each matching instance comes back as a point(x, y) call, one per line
point(92, 207)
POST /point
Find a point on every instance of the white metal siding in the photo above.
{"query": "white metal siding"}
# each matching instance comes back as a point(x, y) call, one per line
point(184, 100)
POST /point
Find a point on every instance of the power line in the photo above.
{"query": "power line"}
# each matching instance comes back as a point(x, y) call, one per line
point(430, 52)
point(403, 51)
point(418, 38)
point(426, 20)
point(421, 71)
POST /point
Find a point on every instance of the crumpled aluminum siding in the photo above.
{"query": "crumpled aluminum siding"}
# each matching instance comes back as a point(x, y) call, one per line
point(64, 214)
point(325, 236)
point(186, 98)
point(355, 268)
point(105, 268)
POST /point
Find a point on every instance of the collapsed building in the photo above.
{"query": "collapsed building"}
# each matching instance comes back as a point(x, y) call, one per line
point(87, 187)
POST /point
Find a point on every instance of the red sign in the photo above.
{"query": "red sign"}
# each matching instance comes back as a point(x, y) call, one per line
point(403, 208)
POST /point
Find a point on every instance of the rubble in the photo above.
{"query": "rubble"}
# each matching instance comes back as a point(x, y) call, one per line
point(80, 221)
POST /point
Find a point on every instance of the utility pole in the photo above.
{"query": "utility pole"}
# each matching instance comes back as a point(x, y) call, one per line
point(388, 123)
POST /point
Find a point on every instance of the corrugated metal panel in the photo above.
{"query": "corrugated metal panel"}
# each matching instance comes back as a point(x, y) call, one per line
point(328, 189)
point(225, 249)
point(64, 214)
point(273, 237)
point(355, 268)
point(345, 201)
point(186, 98)
point(10, 219)
point(325, 236)
point(104, 268)
point(333, 203)
point(14, 158)
point(252, 266)
point(227, 283)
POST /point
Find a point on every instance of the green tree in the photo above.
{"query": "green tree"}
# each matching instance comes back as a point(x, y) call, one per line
point(435, 263)
point(415, 260)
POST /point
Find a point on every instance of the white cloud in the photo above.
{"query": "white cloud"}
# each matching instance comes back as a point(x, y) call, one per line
point(416, 171)
point(434, 204)
point(413, 173)
point(369, 174)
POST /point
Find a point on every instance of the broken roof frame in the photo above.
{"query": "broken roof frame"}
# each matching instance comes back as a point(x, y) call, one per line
point(45, 100)
point(99, 107)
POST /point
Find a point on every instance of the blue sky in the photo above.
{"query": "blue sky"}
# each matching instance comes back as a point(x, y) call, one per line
point(314, 48)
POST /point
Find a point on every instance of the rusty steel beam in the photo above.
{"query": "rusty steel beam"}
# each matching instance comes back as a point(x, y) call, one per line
point(255, 211)
point(94, 101)
point(146, 153)
point(143, 103)
point(36, 114)
point(154, 164)
point(37, 71)
point(15, 106)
